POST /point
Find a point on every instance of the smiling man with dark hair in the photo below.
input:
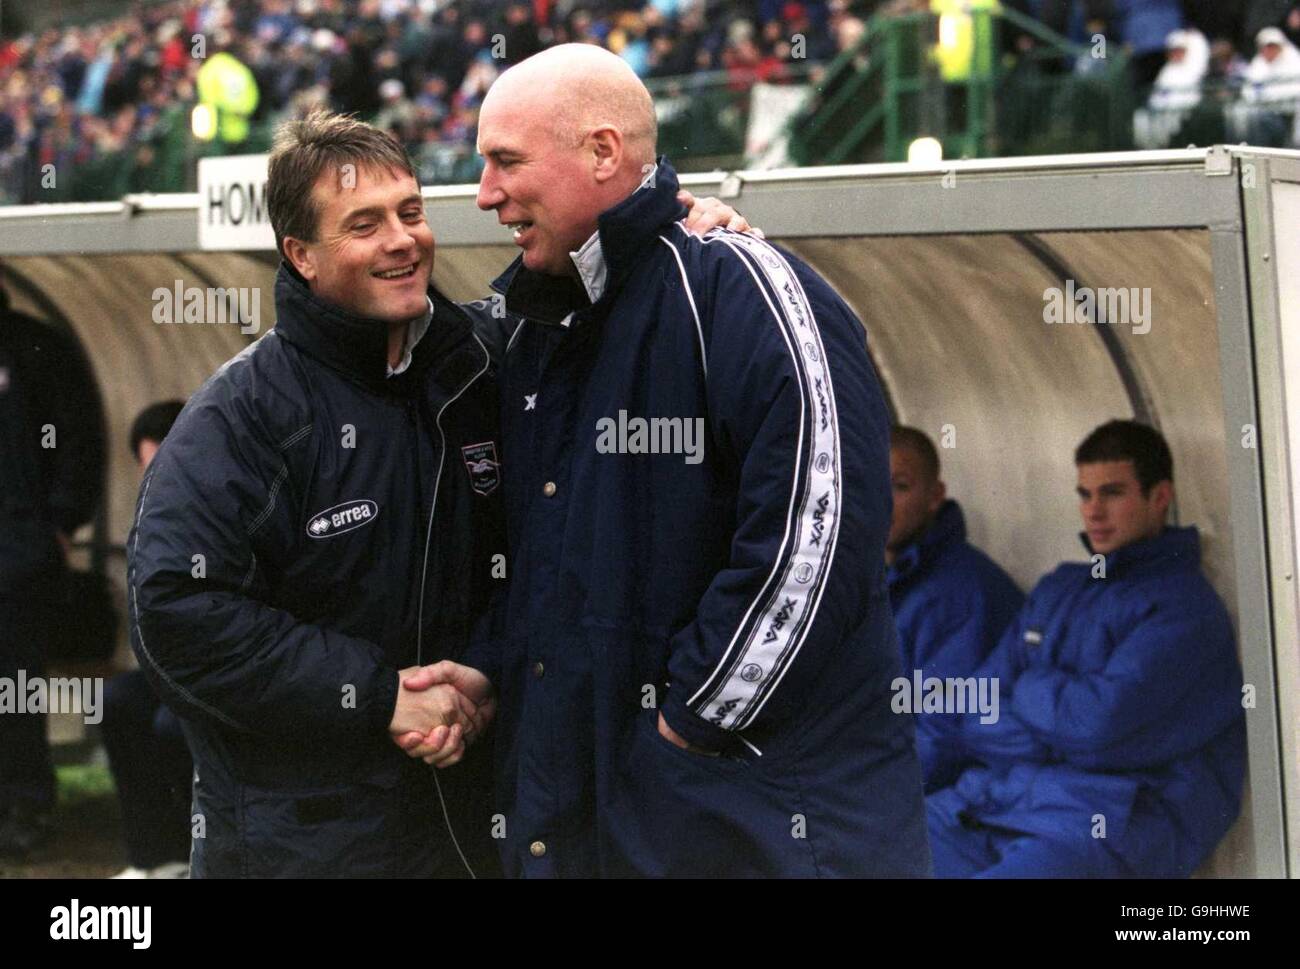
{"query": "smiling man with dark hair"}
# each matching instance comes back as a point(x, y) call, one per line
point(310, 529)
point(1120, 748)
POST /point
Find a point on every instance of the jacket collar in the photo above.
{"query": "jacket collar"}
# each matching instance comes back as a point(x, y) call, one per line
point(1174, 549)
point(357, 347)
point(621, 236)
point(593, 271)
point(947, 529)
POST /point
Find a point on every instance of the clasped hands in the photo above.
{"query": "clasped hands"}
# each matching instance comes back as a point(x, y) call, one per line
point(441, 709)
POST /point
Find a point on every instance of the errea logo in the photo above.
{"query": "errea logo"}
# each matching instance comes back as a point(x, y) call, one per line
point(342, 518)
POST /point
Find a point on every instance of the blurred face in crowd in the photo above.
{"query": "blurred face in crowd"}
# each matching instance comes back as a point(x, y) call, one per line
point(1271, 52)
point(1115, 511)
point(917, 498)
point(373, 253)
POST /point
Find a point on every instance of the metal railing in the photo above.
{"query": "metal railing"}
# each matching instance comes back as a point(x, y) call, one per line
point(878, 97)
point(1216, 112)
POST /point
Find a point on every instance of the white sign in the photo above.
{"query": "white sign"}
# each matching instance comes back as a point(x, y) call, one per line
point(232, 203)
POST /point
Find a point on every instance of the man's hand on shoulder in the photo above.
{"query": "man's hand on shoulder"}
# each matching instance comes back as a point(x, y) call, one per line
point(709, 213)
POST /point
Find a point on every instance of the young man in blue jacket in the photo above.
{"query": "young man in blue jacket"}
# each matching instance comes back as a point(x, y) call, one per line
point(697, 650)
point(1120, 746)
point(951, 602)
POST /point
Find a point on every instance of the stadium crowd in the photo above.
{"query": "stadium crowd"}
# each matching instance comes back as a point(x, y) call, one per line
point(416, 67)
point(71, 97)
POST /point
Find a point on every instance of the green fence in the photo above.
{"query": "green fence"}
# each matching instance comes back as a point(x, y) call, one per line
point(704, 118)
point(889, 90)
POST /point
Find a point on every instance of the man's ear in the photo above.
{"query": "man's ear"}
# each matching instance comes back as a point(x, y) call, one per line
point(606, 144)
point(1162, 497)
point(300, 257)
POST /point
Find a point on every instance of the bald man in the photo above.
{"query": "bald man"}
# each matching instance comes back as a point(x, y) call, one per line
point(697, 647)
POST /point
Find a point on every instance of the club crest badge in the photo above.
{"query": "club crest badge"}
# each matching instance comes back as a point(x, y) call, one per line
point(483, 467)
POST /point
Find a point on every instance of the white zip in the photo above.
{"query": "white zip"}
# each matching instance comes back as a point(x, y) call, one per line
point(424, 571)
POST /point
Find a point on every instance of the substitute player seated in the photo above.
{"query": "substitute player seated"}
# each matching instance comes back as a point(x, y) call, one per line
point(951, 602)
point(1120, 745)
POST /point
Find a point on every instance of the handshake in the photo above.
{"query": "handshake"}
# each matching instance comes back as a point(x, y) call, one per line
point(441, 709)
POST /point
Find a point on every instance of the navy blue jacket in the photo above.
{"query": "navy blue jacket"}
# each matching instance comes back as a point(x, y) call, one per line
point(951, 603)
point(1120, 697)
point(742, 595)
point(309, 527)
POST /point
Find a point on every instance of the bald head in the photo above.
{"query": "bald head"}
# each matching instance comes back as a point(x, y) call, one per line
point(564, 135)
point(581, 88)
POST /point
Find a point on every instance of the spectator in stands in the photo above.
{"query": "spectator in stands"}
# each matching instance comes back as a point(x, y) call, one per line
point(1274, 74)
point(1291, 26)
point(951, 602)
point(1177, 91)
point(228, 88)
point(397, 112)
point(1178, 85)
point(1120, 745)
point(846, 28)
point(147, 753)
point(796, 19)
point(51, 478)
point(1227, 68)
point(520, 33)
point(1270, 113)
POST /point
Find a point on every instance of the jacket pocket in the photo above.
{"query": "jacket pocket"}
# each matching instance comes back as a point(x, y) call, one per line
point(724, 764)
point(678, 813)
point(328, 832)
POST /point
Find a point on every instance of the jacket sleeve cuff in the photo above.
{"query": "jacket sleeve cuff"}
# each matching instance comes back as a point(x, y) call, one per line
point(695, 729)
point(385, 704)
point(484, 656)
